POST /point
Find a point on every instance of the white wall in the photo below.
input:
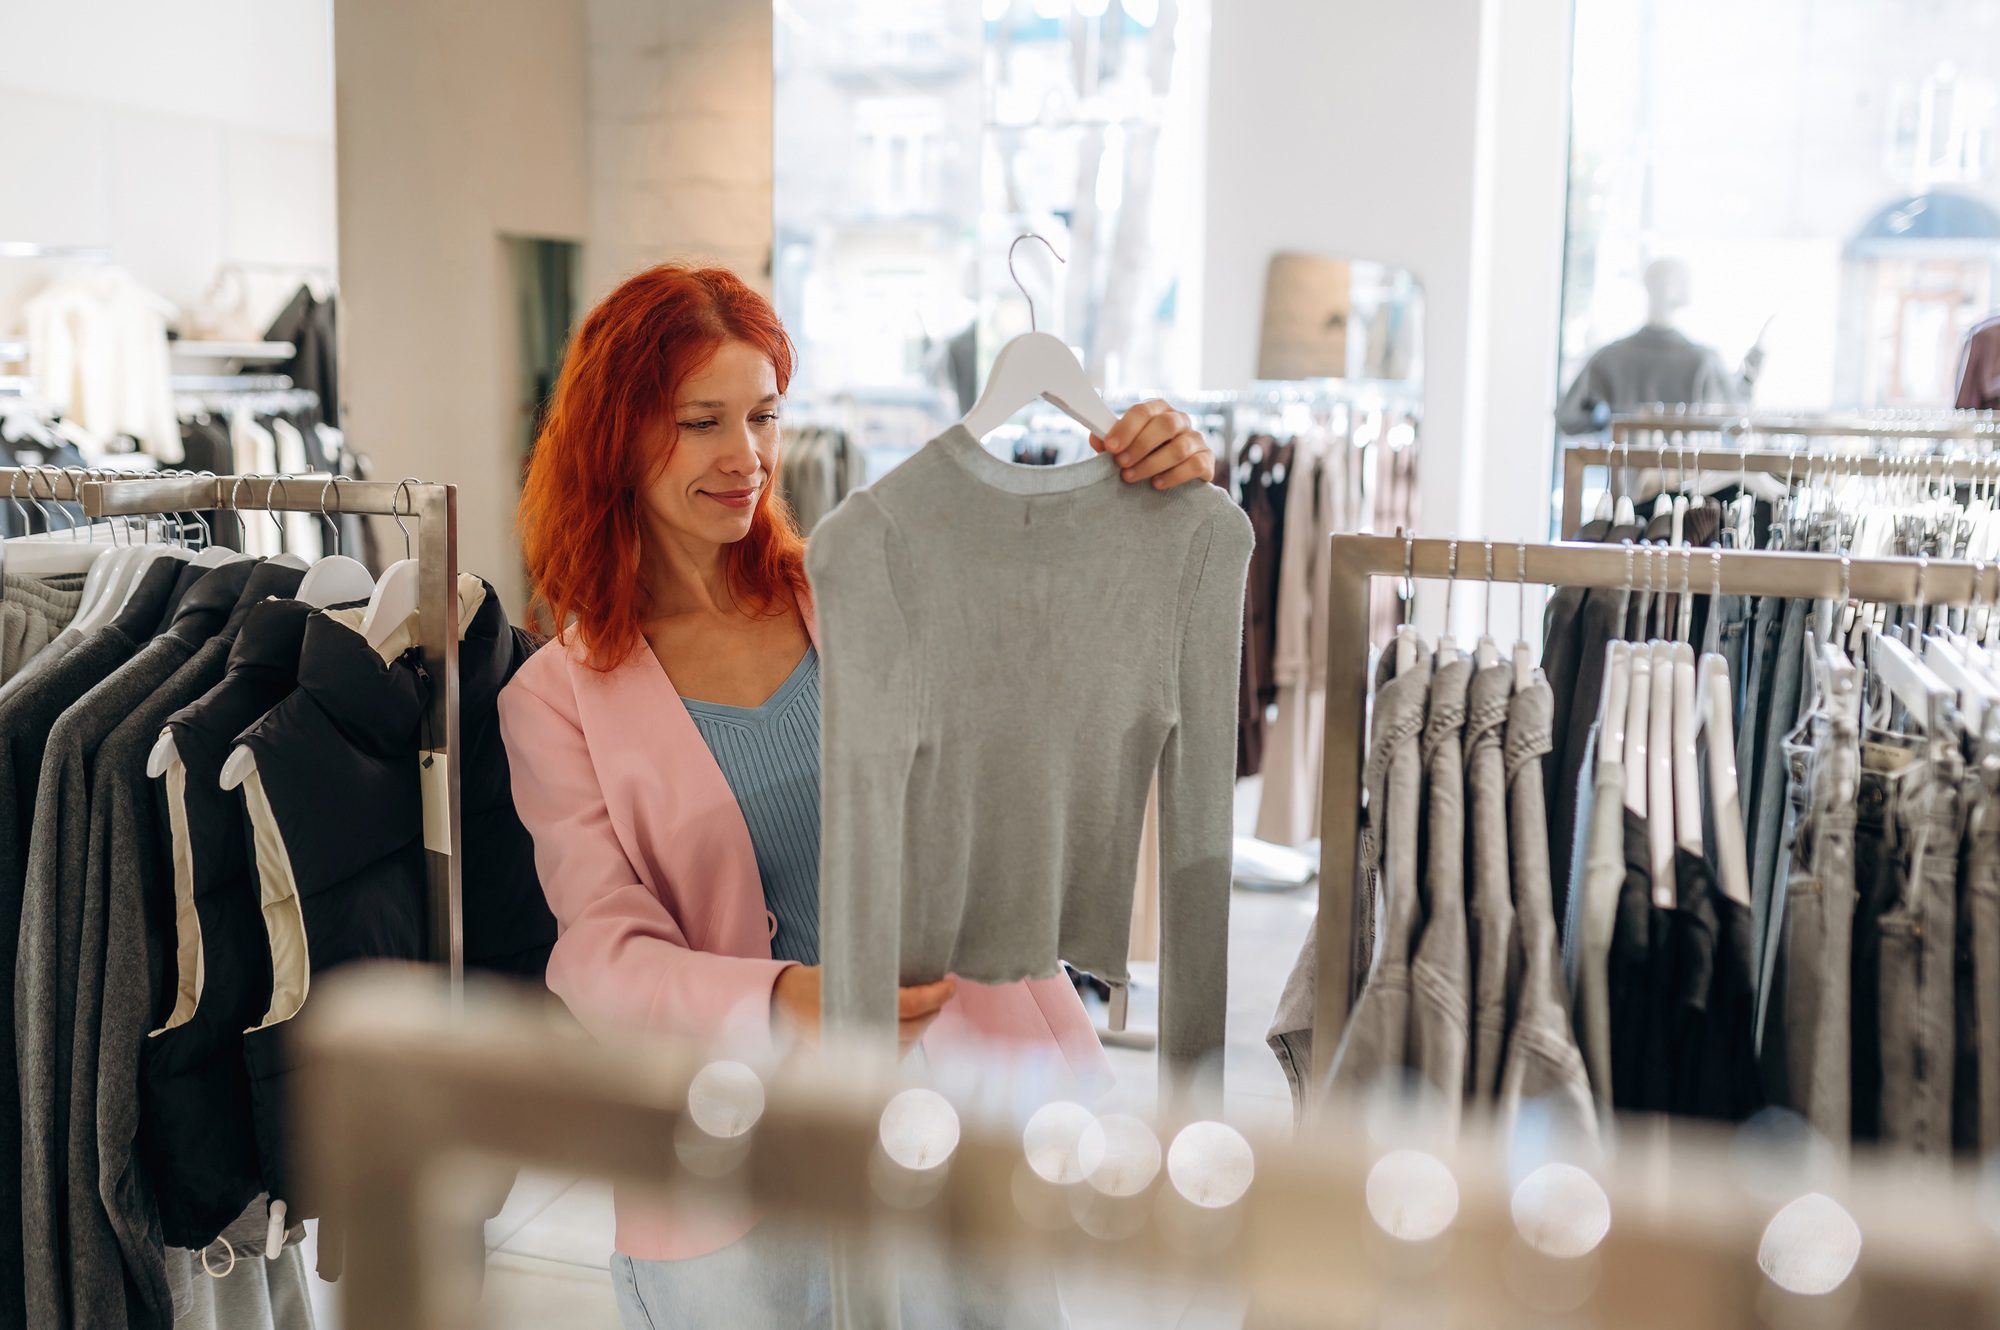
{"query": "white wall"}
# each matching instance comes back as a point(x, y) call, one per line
point(1432, 136)
point(461, 122)
point(183, 136)
point(680, 137)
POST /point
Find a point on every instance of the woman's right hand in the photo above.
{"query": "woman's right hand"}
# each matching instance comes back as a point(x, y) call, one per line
point(795, 998)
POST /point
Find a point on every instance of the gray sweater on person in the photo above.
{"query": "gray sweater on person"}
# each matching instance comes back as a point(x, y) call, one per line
point(1011, 653)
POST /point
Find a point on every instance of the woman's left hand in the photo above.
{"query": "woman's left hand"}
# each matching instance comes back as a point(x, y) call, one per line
point(1154, 442)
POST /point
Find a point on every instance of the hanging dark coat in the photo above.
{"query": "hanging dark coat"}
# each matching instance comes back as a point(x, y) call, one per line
point(68, 1242)
point(337, 806)
point(26, 715)
point(197, 1140)
point(130, 900)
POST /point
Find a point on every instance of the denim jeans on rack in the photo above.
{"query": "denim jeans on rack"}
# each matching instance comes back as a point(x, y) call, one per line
point(1767, 819)
point(1976, 1085)
point(1760, 650)
point(1906, 846)
point(1804, 1009)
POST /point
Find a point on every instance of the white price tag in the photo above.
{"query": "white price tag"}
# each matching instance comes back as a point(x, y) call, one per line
point(437, 800)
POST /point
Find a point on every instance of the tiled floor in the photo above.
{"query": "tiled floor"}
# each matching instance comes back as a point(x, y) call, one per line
point(549, 1245)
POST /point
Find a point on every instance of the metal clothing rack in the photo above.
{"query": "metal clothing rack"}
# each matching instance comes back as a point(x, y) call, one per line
point(405, 1099)
point(1359, 559)
point(1689, 459)
point(435, 508)
point(1873, 425)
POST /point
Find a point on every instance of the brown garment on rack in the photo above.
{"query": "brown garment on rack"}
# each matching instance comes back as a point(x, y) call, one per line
point(1979, 368)
point(1265, 473)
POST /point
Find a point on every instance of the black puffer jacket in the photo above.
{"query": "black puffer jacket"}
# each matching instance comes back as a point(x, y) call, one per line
point(337, 805)
point(196, 1135)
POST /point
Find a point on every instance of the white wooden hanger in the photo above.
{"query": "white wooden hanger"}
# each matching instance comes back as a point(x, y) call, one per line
point(1037, 365)
point(335, 579)
point(1612, 705)
point(1638, 729)
point(394, 598)
point(1732, 862)
point(1660, 775)
point(1687, 775)
point(1408, 644)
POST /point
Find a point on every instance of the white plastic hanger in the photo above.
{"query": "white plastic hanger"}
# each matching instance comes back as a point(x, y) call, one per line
point(1638, 729)
point(1732, 862)
point(1660, 776)
point(1687, 776)
point(1408, 645)
point(1612, 705)
point(395, 596)
point(1037, 365)
point(336, 579)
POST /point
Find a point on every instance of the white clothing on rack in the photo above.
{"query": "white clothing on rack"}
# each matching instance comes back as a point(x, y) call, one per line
point(97, 350)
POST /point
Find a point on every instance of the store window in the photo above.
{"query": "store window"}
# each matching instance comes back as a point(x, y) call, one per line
point(1827, 170)
point(915, 142)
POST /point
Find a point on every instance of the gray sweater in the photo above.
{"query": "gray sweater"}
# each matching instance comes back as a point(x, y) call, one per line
point(1010, 653)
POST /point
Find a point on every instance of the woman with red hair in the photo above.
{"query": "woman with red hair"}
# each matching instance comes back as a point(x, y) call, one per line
point(665, 747)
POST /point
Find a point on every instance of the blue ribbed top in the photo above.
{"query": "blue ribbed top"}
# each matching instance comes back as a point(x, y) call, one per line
point(769, 754)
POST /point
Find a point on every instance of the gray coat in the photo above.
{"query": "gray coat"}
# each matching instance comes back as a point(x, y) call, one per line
point(28, 711)
point(121, 989)
point(1543, 1063)
point(1376, 1040)
point(69, 1245)
point(1490, 902)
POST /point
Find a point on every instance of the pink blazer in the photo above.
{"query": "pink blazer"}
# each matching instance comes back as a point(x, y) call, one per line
point(647, 864)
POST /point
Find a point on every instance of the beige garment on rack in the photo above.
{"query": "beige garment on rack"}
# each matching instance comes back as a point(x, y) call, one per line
point(1288, 811)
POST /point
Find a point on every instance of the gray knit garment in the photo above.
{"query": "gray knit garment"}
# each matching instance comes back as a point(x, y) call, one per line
point(1010, 652)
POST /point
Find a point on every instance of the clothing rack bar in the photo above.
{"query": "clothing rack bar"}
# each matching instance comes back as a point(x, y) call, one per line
point(1358, 559)
point(1578, 458)
point(435, 508)
point(1940, 425)
point(29, 249)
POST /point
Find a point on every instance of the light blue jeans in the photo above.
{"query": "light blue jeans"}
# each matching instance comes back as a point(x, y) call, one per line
point(782, 1279)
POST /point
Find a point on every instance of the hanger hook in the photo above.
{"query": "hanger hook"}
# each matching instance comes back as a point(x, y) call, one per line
point(1631, 576)
point(1923, 571)
point(276, 492)
point(1521, 589)
point(14, 496)
point(332, 484)
point(1487, 631)
point(1715, 579)
point(403, 485)
point(1450, 582)
point(1028, 235)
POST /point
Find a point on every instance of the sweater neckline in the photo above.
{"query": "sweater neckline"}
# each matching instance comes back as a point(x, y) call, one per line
point(959, 444)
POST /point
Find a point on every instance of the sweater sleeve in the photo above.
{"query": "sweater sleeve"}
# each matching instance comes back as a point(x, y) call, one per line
point(867, 746)
point(621, 960)
point(1197, 783)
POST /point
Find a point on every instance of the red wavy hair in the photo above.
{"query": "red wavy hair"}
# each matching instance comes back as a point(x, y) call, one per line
point(581, 524)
